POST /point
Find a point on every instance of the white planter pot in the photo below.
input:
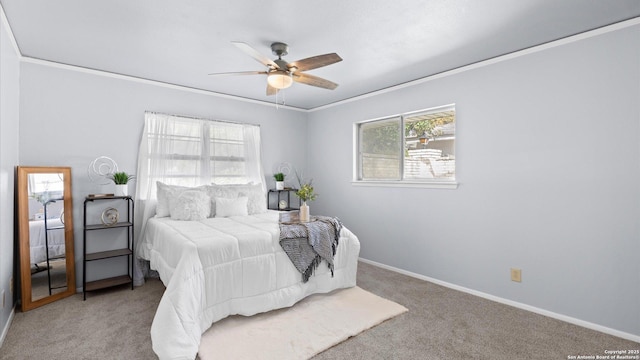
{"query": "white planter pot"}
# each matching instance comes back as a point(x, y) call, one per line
point(122, 190)
point(279, 185)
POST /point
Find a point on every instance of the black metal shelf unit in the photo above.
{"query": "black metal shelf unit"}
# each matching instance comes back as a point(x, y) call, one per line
point(126, 249)
point(281, 195)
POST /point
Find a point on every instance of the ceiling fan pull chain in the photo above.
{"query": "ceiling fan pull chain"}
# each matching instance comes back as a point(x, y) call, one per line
point(283, 99)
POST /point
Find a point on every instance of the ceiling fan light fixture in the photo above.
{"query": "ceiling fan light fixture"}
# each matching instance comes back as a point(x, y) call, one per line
point(281, 74)
point(279, 79)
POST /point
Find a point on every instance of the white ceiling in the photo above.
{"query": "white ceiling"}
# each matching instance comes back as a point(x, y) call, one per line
point(383, 43)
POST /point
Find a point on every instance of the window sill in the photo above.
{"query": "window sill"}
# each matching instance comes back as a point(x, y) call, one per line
point(408, 184)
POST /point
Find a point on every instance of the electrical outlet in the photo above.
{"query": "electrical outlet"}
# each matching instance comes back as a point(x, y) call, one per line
point(516, 275)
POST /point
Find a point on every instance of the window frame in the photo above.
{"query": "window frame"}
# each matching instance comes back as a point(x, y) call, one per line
point(401, 182)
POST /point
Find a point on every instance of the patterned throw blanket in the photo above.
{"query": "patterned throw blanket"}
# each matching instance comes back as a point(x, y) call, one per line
point(307, 244)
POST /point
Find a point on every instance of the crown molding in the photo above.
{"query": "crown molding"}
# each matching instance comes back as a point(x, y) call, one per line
point(12, 38)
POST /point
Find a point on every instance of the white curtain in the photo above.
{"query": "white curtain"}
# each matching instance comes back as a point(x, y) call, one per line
point(190, 152)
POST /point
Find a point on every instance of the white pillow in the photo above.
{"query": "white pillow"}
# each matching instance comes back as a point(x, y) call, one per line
point(191, 205)
point(257, 200)
point(257, 203)
point(166, 194)
point(231, 207)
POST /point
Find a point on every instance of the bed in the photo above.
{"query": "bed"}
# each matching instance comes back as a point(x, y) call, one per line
point(37, 242)
point(226, 264)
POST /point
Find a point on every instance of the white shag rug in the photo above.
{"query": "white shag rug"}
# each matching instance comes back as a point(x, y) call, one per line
point(309, 327)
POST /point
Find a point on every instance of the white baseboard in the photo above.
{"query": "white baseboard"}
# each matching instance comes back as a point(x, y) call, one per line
point(565, 318)
point(5, 330)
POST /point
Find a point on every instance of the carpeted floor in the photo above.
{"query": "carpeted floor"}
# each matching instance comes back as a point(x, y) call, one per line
point(448, 324)
point(441, 324)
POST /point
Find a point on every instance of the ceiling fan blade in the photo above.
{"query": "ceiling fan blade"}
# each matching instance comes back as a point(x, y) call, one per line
point(314, 81)
point(247, 49)
point(271, 90)
point(315, 62)
point(240, 73)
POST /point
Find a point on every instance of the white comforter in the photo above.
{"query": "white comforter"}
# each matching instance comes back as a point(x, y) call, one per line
point(225, 266)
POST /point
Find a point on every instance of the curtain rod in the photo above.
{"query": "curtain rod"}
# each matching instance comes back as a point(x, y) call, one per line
point(198, 118)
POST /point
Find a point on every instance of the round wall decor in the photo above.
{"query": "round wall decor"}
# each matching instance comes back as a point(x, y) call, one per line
point(110, 216)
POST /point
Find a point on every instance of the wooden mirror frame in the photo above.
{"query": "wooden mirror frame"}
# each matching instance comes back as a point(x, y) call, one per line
point(22, 191)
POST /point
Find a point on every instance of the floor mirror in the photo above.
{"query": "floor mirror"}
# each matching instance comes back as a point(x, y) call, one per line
point(45, 233)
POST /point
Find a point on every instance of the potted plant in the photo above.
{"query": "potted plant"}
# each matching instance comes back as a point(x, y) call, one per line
point(305, 193)
point(121, 179)
point(279, 180)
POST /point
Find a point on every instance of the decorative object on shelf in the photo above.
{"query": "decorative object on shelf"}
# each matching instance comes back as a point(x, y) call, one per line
point(305, 193)
point(122, 190)
point(282, 204)
point(100, 169)
point(121, 179)
point(279, 180)
point(110, 216)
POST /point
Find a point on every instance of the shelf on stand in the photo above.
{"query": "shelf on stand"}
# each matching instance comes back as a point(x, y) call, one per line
point(108, 254)
point(107, 282)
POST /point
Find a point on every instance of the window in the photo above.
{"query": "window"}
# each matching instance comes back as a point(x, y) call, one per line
point(417, 147)
point(191, 152)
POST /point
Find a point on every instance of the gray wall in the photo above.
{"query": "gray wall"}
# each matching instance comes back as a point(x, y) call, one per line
point(69, 118)
point(9, 94)
point(548, 165)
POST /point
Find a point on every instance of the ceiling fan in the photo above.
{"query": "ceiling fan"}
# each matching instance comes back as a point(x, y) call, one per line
point(281, 74)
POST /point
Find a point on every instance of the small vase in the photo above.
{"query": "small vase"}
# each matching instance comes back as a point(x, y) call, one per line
point(279, 185)
point(304, 212)
point(122, 190)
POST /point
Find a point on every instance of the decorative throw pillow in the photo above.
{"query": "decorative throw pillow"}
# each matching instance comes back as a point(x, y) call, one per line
point(191, 205)
point(166, 194)
point(231, 207)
